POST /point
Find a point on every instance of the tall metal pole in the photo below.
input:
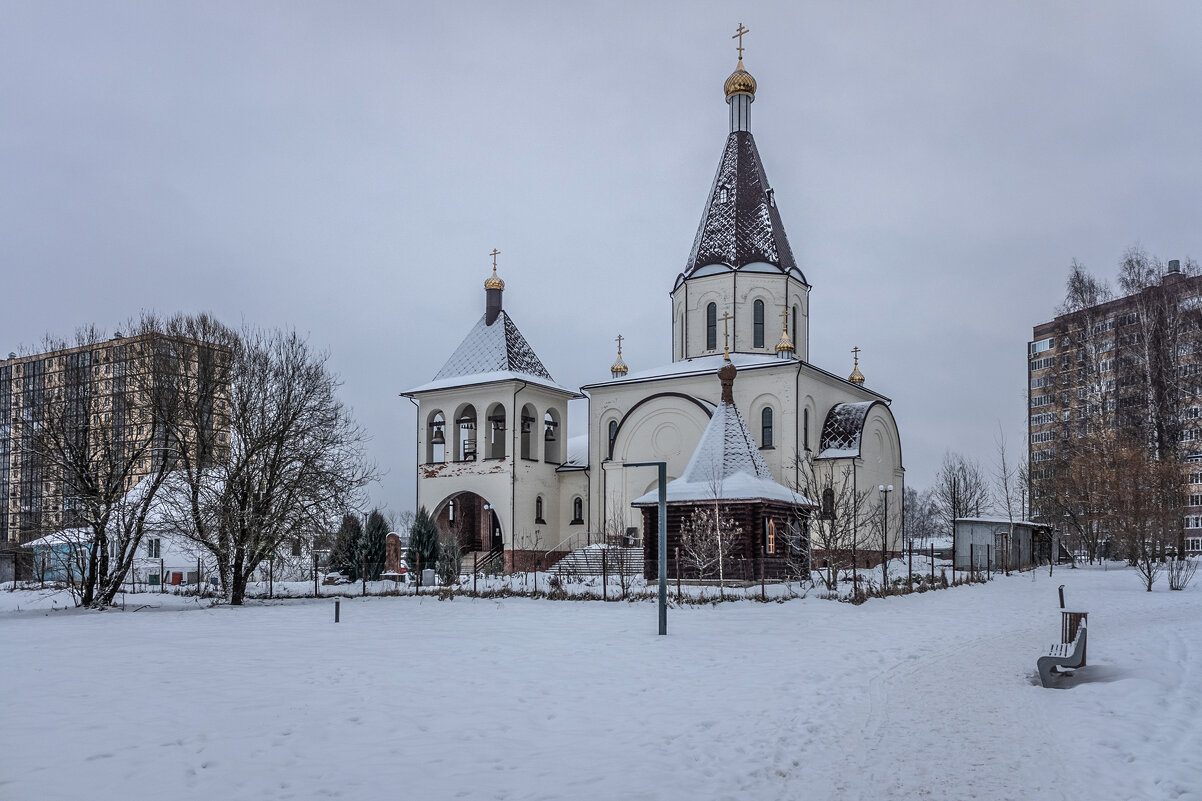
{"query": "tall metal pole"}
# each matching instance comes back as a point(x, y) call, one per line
point(663, 547)
point(663, 539)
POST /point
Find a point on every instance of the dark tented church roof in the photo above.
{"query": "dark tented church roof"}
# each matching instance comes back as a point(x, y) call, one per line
point(741, 223)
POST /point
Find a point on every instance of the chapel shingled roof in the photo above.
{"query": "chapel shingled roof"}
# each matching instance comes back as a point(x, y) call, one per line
point(741, 223)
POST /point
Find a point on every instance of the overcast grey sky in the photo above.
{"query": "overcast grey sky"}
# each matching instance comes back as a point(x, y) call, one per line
point(344, 168)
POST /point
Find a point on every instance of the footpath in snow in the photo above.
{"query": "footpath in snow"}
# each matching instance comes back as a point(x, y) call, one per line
point(930, 696)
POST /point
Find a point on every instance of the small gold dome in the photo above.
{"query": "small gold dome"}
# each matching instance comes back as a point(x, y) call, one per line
point(619, 368)
point(786, 344)
point(740, 82)
point(494, 282)
point(856, 376)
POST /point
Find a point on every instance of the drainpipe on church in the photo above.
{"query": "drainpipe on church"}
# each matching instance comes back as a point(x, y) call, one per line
point(513, 479)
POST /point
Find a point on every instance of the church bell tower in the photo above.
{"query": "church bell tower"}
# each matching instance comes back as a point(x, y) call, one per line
point(741, 277)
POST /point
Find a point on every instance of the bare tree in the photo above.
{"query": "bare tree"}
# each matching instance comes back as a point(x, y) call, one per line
point(1006, 474)
point(961, 489)
point(920, 516)
point(708, 539)
point(838, 525)
point(294, 458)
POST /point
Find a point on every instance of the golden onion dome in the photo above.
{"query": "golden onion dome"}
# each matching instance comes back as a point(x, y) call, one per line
point(856, 376)
point(619, 367)
point(740, 82)
point(786, 344)
point(494, 281)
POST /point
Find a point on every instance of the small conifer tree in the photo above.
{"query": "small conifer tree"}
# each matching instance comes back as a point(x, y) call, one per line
point(374, 543)
point(423, 542)
point(345, 556)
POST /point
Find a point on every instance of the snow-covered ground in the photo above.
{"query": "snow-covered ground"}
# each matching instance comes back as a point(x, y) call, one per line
point(930, 696)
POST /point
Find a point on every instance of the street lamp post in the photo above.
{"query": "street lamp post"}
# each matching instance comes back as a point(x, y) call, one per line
point(663, 539)
point(884, 489)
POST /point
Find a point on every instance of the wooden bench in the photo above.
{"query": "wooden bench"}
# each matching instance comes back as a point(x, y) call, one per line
point(1068, 654)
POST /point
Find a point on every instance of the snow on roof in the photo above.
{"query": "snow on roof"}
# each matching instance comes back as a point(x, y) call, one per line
point(490, 378)
point(702, 365)
point(577, 451)
point(68, 536)
point(741, 224)
point(726, 465)
point(491, 353)
point(1005, 521)
point(842, 430)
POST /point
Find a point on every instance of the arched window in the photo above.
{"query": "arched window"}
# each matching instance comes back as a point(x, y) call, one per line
point(577, 512)
point(757, 324)
point(766, 427)
point(613, 436)
point(538, 510)
point(805, 429)
point(796, 342)
point(711, 327)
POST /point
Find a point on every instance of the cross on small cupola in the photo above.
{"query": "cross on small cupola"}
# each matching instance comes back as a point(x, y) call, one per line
point(785, 348)
point(493, 287)
point(856, 376)
point(619, 368)
point(726, 318)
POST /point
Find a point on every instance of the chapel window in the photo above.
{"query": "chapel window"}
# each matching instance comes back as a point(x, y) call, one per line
point(613, 436)
point(757, 324)
point(577, 512)
point(805, 429)
point(711, 327)
point(766, 427)
point(538, 510)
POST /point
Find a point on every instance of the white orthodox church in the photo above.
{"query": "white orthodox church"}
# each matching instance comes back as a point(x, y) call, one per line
point(495, 463)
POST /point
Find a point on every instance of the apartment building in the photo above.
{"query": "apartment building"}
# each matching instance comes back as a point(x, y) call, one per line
point(105, 391)
point(1129, 363)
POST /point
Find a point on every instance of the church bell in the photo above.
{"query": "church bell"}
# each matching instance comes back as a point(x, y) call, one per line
point(438, 438)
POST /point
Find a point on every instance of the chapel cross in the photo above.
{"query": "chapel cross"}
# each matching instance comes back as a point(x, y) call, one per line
point(620, 338)
point(739, 35)
point(726, 318)
point(855, 352)
point(785, 319)
point(494, 255)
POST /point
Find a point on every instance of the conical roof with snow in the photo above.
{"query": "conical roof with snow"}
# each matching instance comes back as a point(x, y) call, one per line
point(726, 466)
point(496, 352)
point(741, 224)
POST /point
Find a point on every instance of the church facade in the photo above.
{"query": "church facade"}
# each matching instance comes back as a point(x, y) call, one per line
point(495, 465)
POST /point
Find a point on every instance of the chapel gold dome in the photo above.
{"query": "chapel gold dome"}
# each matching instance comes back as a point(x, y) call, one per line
point(494, 281)
point(740, 82)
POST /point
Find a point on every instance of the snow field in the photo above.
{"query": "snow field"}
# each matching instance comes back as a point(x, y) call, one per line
point(924, 696)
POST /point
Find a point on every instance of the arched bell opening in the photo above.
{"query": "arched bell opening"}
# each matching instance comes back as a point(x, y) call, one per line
point(436, 437)
point(497, 432)
point(552, 438)
point(529, 432)
point(465, 433)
